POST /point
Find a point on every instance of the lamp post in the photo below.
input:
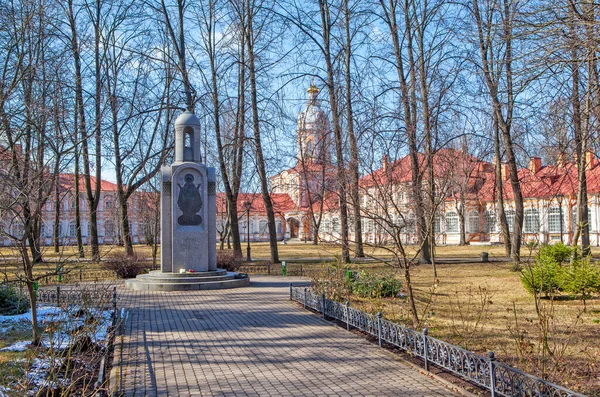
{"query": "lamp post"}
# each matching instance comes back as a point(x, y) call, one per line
point(247, 205)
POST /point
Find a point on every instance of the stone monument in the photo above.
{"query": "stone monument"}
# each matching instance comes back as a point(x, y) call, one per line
point(188, 221)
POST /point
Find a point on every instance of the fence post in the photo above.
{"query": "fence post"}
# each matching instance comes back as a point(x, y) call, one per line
point(269, 268)
point(305, 288)
point(291, 291)
point(58, 295)
point(425, 348)
point(301, 270)
point(492, 358)
point(323, 304)
point(379, 328)
point(347, 316)
point(80, 274)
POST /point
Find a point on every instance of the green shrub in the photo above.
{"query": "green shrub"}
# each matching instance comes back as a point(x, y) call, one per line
point(375, 286)
point(582, 277)
point(11, 302)
point(547, 276)
point(558, 252)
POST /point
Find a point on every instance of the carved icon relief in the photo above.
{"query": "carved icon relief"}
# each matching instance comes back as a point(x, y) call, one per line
point(189, 202)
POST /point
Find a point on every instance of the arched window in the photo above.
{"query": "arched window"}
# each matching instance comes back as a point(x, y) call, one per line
point(531, 221)
point(309, 149)
point(554, 220)
point(262, 227)
point(452, 222)
point(474, 222)
point(489, 221)
point(188, 149)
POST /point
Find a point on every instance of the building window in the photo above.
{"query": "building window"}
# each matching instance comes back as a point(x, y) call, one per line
point(109, 229)
point(575, 219)
point(554, 220)
point(327, 226)
point(437, 224)
point(510, 218)
point(71, 230)
point(452, 222)
point(108, 204)
point(411, 223)
point(489, 221)
point(262, 227)
point(335, 224)
point(400, 197)
point(18, 230)
point(474, 222)
point(532, 221)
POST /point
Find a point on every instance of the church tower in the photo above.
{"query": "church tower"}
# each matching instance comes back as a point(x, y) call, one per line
point(313, 129)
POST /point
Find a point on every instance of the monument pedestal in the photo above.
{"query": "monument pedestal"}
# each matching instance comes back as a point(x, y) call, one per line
point(188, 222)
point(159, 281)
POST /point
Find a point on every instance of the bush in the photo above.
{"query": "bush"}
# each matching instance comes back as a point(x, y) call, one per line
point(226, 260)
point(375, 286)
point(547, 275)
point(582, 277)
point(126, 266)
point(11, 302)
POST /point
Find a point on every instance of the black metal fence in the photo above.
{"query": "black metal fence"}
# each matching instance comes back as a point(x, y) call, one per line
point(500, 379)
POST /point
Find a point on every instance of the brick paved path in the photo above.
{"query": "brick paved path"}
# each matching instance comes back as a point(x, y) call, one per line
point(249, 341)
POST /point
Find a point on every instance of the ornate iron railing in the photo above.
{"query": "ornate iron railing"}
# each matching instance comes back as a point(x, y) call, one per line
point(500, 379)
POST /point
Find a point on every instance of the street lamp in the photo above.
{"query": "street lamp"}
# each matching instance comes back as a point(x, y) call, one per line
point(247, 205)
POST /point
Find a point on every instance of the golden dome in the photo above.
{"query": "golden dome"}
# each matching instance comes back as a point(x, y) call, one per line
point(312, 88)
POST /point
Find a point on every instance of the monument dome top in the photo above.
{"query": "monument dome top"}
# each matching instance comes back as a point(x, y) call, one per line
point(187, 118)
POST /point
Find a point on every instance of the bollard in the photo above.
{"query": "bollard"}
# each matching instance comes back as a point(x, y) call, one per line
point(323, 304)
point(485, 257)
point(115, 299)
point(301, 270)
point(305, 288)
point(492, 358)
point(269, 268)
point(425, 349)
point(379, 328)
point(291, 291)
point(80, 274)
point(347, 316)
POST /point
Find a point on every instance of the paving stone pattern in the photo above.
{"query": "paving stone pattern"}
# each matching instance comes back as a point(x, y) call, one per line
point(250, 342)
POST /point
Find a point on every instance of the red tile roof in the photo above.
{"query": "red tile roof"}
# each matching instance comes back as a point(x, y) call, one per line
point(67, 182)
point(282, 202)
point(479, 178)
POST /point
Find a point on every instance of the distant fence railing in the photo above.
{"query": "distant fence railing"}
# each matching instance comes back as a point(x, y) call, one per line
point(70, 277)
point(291, 269)
point(500, 379)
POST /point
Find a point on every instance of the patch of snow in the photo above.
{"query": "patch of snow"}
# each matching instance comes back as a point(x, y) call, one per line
point(42, 311)
point(17, 347)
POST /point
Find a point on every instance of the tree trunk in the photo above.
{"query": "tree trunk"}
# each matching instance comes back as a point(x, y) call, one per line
point(499, 191)
point(337, 129)
point(354, 156)
point(260, 161)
